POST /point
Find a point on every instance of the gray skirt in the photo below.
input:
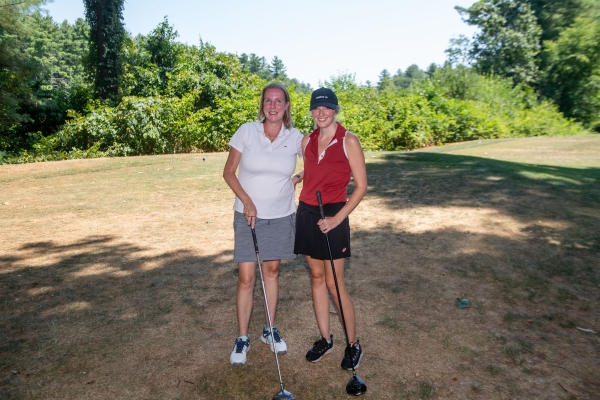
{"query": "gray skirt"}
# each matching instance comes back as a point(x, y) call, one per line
point(275, 238)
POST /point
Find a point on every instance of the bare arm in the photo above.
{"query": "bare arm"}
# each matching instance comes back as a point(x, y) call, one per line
point(233, 161)
point(296, 179)
point(356, 158)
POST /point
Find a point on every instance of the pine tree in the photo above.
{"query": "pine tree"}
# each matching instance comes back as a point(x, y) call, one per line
point(277, 69)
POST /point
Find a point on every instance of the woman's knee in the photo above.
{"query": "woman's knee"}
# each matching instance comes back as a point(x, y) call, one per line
point(270, 269)
point(317, 275)
point(246, 282)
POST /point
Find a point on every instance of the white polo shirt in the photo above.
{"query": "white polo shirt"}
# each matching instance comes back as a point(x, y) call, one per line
point(266, 168)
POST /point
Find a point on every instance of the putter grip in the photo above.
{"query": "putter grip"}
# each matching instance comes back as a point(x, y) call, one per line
point(320, 204)
point(254, 238)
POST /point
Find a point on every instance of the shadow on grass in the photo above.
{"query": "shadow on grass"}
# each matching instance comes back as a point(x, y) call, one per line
point(86, 299)
point(525, 192)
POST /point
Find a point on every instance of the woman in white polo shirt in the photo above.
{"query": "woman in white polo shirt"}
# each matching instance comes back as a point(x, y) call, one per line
point(266, 152)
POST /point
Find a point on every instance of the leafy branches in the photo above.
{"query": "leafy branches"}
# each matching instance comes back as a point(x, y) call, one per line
point(107, 34)
point(550, 45)
point(509, 41)
point(17, 67)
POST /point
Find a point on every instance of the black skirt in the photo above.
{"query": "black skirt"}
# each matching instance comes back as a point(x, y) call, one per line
point(312, 242)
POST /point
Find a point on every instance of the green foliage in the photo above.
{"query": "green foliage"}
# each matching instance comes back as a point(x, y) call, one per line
point(163, 50)
point(181, 98)
point(509, 40)
point(456, 104)
point(150, 125)
point(158, 125)
point(403, 80)
point(16, 66)
point(556, 15)
point(300, 109)
point(107, 35)
point(59, 85)
point(551, 45)
point(140, 76)
point(59, 48)
point(572, 78)
point(214, 126)
point(385, 80)
point(42, 79)
point(276, 71)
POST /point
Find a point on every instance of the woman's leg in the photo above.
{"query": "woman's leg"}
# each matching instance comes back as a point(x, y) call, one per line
point(319, 294)
point(347, 304)
point(271, 278)
point(243, 301)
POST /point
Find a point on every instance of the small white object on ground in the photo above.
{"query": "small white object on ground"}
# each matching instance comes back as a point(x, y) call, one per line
point(585, 330)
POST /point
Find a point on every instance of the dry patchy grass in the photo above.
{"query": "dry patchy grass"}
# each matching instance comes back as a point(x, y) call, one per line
point(116, 281)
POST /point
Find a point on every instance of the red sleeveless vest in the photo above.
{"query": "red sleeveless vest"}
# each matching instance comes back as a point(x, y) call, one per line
point(328, 172)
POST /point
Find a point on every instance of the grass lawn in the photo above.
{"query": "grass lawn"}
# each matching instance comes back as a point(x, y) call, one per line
point(116, 279)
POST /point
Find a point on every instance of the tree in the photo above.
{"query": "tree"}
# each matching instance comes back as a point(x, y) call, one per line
point(556, 15)
point(256, 65)
point(58, 85)
point(403, 80)
point(58, 48)
point(431, 69)
point(509, 40)
point(277, 69)
point(385, 80)
point(459, 52)
point(163, 49)
point(572, 78)
point(414, 73)
point(107, 35)
point(400, 80)
point(16, 66)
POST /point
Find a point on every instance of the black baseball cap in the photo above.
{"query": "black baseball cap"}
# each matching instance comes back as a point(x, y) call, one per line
point(323, 97)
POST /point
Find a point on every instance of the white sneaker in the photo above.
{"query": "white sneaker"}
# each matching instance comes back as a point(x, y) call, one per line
point(279, 343)
point(238, 354)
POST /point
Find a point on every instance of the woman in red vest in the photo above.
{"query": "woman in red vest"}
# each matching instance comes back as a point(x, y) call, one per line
point(332, 156)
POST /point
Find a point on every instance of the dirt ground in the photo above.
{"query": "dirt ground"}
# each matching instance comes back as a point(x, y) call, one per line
point(116, 281)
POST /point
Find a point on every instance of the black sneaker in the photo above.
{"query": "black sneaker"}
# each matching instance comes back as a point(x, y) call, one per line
point(319, 349)
point(352, 356)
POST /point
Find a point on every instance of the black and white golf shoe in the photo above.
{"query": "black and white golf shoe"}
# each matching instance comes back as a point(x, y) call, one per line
point(319, 349)
point(352, 356)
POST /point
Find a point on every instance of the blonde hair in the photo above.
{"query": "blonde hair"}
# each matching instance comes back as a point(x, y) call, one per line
point(287, 115)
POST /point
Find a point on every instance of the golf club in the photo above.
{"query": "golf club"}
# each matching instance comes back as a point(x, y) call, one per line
point(355, 386)
point(283, 394)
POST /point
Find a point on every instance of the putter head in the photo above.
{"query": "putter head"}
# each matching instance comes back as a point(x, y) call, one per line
point(283, 395)
point(356, 386)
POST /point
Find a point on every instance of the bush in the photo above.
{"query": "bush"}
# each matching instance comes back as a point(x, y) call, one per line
point(453, 106)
